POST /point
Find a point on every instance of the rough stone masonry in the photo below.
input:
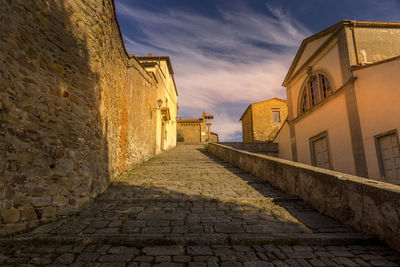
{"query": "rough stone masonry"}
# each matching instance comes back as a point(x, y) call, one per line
point(75, 110)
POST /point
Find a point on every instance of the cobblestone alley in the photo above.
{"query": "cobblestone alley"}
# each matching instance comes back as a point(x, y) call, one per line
point(187, 208)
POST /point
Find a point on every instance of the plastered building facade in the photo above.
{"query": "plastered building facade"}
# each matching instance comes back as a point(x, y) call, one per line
point(342, 89)
point(261, 121)
point(160, 68)
point(196, 130)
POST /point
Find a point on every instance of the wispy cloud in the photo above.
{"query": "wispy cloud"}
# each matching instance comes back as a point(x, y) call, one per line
point(220, 63)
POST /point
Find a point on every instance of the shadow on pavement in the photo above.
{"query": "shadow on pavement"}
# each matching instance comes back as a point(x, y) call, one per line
point(299, 209)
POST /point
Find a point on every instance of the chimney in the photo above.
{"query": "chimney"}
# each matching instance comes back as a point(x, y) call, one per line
point(149, 54)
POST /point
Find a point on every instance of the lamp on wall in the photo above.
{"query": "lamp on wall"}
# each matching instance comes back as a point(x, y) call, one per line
point(159, 103)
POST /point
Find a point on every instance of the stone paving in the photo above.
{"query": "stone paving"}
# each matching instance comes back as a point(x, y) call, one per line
point(187, 208)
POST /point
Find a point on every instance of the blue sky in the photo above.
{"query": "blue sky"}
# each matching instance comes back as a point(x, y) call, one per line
point(227, 54)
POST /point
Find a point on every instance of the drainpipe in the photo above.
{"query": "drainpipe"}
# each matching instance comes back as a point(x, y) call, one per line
point(353, 27)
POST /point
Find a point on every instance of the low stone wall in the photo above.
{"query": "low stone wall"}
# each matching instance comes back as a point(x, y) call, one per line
point(270, 149)
point(371, 207)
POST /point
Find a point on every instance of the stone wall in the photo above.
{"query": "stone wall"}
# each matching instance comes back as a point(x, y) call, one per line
point(371, 207)
point(270, 149)
point(264, 128)
point(247, 129)
point(71, 102)
point(190, 132)
point(214, 137)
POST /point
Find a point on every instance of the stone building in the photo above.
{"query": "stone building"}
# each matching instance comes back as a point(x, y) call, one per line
point(160, 68)
point(196, 130)
point(214, 137)
point(261, 121)
point(342, 89)
point(75, 109)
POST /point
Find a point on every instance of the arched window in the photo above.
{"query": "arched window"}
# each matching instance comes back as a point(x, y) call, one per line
point(316, 89)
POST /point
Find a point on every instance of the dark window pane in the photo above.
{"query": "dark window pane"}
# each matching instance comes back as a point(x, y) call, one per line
point(314, 93)
point(304, 103)
point(326, 87)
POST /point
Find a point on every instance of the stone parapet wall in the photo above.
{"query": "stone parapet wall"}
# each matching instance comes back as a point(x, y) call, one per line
point(369, 206)
point(267, 148)
point(75, 110)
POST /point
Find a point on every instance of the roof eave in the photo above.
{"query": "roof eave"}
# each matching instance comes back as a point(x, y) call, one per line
point(169, 65)
point(335, 29)
point(313, 37)
point(245, 112)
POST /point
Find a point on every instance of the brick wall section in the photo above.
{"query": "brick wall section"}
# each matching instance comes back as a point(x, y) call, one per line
point(371, 207)
point(70, 105)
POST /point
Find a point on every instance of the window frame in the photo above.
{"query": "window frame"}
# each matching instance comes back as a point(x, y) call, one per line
point(279, 116)
point(378, 149)
point(321, 135)
point(306, 97)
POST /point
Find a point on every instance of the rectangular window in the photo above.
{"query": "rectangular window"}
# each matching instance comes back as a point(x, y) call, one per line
point(276, 115)
point(320, 151)
point(387, 147)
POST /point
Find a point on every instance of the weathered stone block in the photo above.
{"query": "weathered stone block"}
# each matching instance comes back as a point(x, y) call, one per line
point(4, 82)
point(15, 227)
point(39, 191)
point(59, 201)
point(28, 213)
point(25, 157)
point(18, 179)
point(63, 167)
point(11, 215)
point(48, 212)
point(41, 201)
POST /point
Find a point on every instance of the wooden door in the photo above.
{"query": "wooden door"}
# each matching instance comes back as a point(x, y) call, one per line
point(389, 157)
point(321, 153)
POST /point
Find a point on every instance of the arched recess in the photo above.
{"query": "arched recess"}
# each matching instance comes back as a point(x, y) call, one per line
point(315, 89)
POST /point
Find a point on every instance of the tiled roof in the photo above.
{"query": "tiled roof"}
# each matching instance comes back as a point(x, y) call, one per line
point(189, 120)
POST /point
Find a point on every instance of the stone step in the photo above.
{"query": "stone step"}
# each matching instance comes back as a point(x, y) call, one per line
point(140, 240)
point(186, 199)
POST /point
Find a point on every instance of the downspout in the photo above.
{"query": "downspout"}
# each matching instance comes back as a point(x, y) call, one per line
point(355, 41)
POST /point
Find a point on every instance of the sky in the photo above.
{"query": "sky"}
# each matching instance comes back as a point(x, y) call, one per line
point(227, 54)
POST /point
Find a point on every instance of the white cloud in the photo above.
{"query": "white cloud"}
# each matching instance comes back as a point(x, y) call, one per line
point(227, 126)
point(239, 58)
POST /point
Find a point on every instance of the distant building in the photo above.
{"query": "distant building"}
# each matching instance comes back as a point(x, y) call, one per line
point(261, 121)
point(160, 69)
point(343, 93)
point(214, 137)
point(196, 130)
